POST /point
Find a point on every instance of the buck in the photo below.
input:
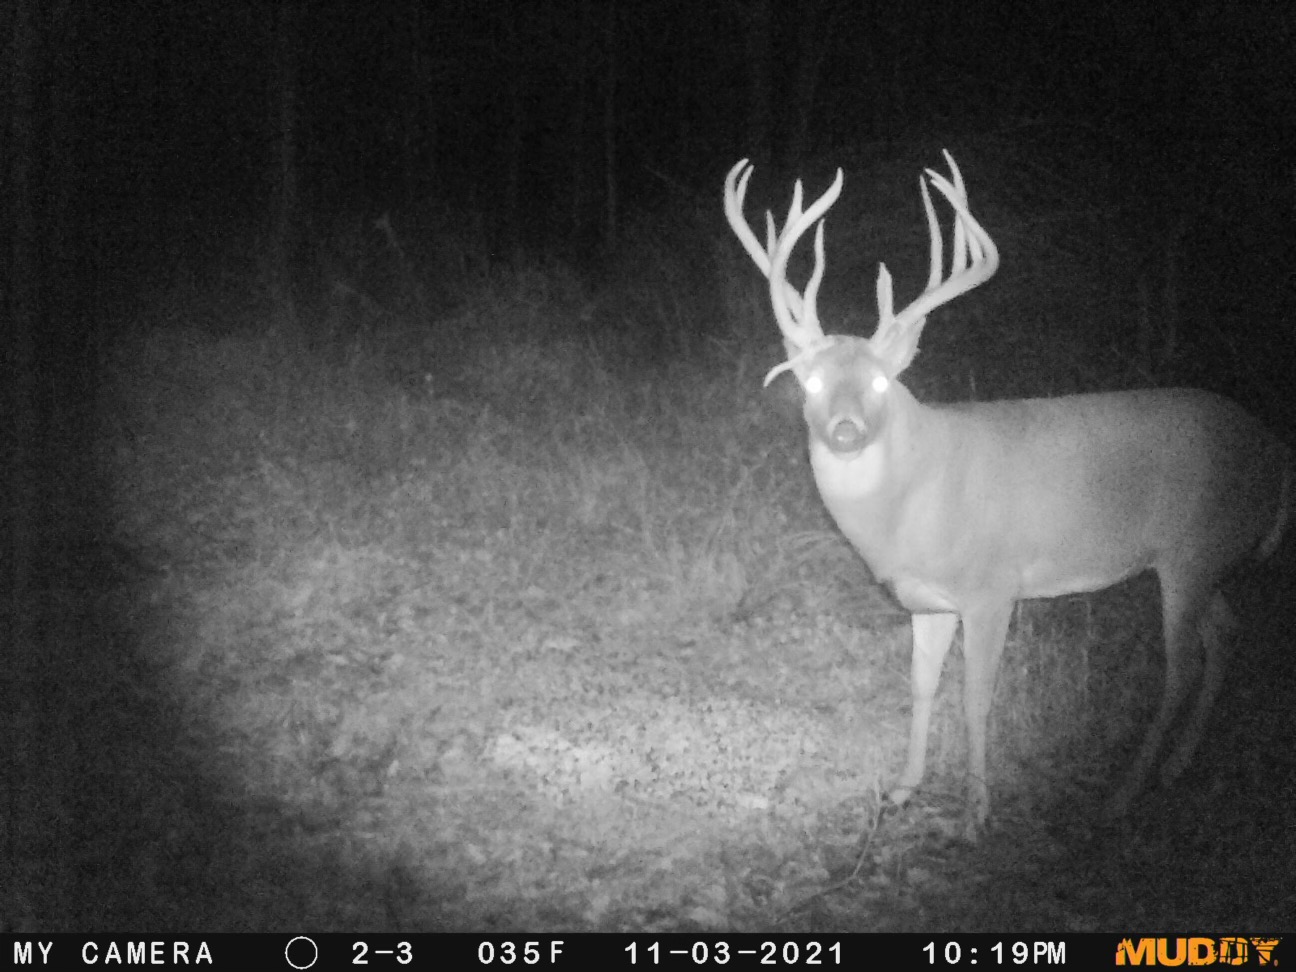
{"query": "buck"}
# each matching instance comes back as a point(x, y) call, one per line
point(962, 510)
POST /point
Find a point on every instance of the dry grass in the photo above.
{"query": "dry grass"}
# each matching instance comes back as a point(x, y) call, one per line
point(570, 636)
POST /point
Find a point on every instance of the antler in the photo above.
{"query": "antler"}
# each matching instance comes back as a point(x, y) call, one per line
point(795, 312)
point(975, 260)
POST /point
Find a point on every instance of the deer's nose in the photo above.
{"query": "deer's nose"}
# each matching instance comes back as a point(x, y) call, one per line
point(846, 435)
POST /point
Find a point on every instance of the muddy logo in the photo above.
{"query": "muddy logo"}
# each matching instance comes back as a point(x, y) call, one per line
point(1196, 951)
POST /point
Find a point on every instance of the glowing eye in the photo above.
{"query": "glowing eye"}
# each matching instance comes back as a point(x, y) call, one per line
point(880, 383)
point(814, 385)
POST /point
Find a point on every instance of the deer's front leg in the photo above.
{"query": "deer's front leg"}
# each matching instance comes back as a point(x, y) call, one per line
point(932, 636)
point(985, 629)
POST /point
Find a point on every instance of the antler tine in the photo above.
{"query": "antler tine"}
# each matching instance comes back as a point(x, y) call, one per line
point(969, 237)
point(735, 193)
point(974, 260)
point(959, 258)
point(936, 261)
point(800, 324)
point(795, 312)
point(934, 234)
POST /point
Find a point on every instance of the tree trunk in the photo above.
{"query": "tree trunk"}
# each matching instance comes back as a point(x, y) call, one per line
point(577, 151)
point(760, 64)
point(610, 216)
point(514, 70)
point(286, 201)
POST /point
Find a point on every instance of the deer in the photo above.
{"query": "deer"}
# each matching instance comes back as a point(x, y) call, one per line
point(962, 510)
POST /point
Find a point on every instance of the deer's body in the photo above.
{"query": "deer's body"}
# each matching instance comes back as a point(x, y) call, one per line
point(955, 504)
point(962, 510)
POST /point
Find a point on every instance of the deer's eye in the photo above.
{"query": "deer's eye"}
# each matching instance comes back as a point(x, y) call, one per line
point(814, 384)
point(880, 383)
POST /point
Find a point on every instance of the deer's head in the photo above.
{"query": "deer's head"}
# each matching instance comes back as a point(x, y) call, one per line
point(850, 383)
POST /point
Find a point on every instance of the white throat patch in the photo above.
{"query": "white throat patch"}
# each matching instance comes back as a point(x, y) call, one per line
point(847, 477)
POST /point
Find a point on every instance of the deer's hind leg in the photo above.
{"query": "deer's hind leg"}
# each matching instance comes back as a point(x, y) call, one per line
point(1218, 628)
point(1194, 616)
